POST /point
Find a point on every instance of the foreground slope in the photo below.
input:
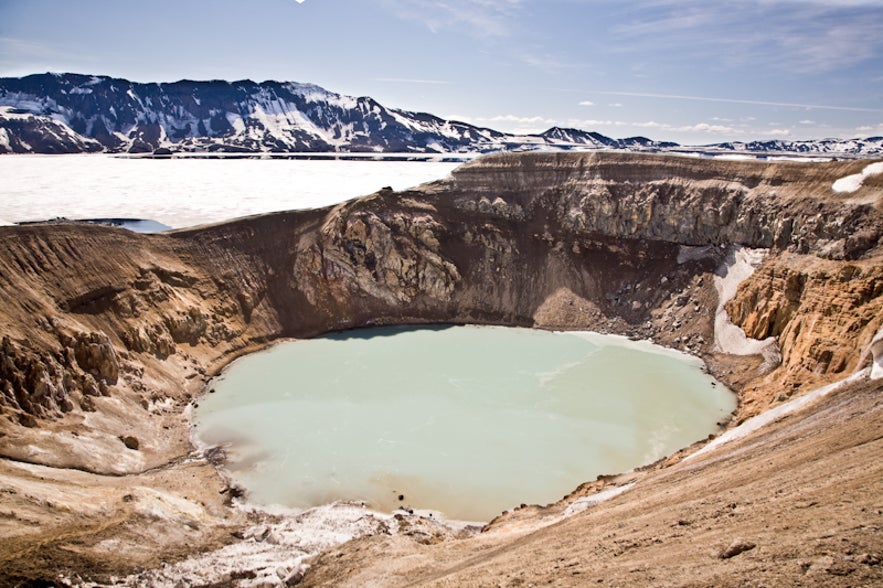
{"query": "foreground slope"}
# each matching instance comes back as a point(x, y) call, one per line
point(796, 505)
point(108, 337)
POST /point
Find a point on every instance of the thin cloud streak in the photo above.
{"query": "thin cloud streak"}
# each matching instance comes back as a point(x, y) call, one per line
point(517, 119)
point(740, 101)
point(479, 18)
point(795, 35)
point(412, 81)
point(695, 129)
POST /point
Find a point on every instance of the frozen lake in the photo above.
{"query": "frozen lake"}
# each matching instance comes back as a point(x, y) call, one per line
point(467, 421)
point(187, 192)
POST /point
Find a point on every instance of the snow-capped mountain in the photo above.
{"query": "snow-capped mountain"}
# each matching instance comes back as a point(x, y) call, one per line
point(22, 132)
point(73, 113)
point(835, 147)
point(68, 113)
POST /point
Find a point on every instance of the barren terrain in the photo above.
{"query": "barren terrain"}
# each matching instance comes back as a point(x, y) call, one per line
point(108, 337)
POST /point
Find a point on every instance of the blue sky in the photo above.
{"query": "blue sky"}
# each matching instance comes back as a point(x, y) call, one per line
point(692, 71)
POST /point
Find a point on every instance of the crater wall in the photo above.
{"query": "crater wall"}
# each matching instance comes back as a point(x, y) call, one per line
point(109, 336)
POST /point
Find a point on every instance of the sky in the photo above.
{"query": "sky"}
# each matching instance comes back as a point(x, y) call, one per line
point(691, 71)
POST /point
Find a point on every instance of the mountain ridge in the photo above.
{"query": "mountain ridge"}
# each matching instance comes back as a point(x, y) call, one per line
point(63, 113)
point(81, 113)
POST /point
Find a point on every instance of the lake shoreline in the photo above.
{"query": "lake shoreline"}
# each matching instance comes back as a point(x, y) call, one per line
point(524, 379)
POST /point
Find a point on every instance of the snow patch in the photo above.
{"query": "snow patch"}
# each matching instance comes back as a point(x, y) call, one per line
point(587, 502)
point(799, 159)
point(275, 554)
point(728, 338)
point(735, 157)
point(753, 424)
point(236, 122)
point(7, 112)
point(877, 353)
point(852, 183)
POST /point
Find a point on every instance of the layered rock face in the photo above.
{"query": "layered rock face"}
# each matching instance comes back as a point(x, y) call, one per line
point(565, 240)
point(108, 336)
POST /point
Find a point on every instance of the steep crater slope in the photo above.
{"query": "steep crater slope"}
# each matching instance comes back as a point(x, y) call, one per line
point(108, 336)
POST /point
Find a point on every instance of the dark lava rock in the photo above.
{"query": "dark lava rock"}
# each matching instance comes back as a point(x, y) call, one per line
point(130, 442)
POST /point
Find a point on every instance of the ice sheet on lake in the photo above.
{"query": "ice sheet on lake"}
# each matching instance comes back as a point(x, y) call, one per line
point(187, 192)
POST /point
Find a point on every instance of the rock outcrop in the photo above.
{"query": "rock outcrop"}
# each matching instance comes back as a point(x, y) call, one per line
point(109, 334)
point(494, 243)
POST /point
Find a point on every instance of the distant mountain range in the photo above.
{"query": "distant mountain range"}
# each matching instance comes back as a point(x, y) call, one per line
point(73, 113)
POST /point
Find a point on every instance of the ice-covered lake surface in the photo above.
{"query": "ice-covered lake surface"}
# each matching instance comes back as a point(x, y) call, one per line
point(186, 192)
point(466, 421)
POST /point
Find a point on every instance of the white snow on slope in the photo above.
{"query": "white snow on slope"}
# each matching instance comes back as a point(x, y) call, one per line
point(586, 502)
point(852, 183)
point(236, 122)
point(753, 424)
point(877, 353)
point(728, 338)
point(275, 554)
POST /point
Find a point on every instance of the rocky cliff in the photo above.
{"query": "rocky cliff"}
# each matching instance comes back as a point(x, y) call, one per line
point(109, 335)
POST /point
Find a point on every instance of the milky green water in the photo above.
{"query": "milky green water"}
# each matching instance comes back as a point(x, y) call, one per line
point(468, 421)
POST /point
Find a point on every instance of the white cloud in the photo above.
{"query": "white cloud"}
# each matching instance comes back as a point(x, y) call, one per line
point(741, 101)
point(510, 123)
point(703, 128)
point(707, 128)
point(583, 123)
point(807, 121)
point(411, 81)
point(545, 61)
point(511, 118)
point(25, 48)
point(790, 35)
point(715, 128)
point(479, 18)
point(19, 57)
point(586, 103)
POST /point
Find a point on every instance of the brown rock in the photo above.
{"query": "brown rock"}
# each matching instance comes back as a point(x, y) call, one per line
point(735, 548)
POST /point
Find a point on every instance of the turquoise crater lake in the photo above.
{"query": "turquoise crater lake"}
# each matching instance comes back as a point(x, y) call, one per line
point(466, 421)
